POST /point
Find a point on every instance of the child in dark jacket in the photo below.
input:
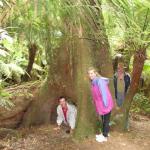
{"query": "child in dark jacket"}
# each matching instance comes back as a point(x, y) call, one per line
point(121, 84)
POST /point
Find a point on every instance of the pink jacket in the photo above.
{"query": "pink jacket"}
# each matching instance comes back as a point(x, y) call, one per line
point(101, 96)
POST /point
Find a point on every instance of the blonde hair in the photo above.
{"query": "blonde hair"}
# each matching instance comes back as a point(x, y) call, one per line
point(94, 70)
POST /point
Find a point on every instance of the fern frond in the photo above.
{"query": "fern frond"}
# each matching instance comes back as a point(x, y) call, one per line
point(15, 69)
point(3, 53)
point(7, 104)
point(4, 70)
point(4, 99)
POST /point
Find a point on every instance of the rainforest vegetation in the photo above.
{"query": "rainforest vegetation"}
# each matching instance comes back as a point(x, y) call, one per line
point(46, 48)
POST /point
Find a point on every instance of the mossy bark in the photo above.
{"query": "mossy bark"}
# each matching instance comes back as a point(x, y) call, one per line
point(86, 113)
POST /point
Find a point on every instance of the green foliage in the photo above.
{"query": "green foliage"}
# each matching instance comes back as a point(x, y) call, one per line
point(14, 60)
point(146, 68)
point(11, 61)
point(31, 22)
point(4, 99)
point(41, 23)
point(127, 24)
point(146, 74)
point(141, 104)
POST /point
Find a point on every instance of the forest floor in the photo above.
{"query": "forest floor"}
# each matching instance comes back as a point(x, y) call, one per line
point(45, 138)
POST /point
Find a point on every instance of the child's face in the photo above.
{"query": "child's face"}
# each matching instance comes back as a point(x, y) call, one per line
point(120, 65)
point(91, 74)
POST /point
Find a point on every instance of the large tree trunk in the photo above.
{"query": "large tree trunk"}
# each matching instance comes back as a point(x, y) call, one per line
point(86, 121)
point(67, 76)
point(101, 46)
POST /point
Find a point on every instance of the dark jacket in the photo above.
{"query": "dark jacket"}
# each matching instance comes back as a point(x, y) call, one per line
point(127, 81)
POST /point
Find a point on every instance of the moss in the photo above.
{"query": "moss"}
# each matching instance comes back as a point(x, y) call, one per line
point(86, 121)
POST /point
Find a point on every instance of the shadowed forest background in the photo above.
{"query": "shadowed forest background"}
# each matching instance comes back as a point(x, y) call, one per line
point(46, 48)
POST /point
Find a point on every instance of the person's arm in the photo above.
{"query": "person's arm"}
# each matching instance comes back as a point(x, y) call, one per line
point(72, 117)
point(127, 82)
point(115, 85)
point(129, 78)
point(106, 79)
point(59, 117)
point(102, 88)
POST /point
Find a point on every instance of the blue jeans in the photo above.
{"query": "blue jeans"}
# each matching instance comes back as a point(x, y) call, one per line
point(120, 98)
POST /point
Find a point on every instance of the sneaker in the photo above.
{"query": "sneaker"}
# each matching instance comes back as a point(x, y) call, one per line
point(99, 135)
point(101, 139)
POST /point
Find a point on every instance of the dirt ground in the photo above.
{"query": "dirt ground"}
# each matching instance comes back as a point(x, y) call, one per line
point(45, 138)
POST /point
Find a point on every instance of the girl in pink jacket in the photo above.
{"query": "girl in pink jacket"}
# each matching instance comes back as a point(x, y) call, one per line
point(103, 101)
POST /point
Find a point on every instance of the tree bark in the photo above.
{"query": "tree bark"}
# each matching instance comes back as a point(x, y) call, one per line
point(138, 63)
point(86, 122)
point(32, 53)
point(101, 46)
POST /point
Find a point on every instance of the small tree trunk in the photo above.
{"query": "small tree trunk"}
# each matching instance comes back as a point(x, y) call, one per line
point(32, 53)
point(138, 63)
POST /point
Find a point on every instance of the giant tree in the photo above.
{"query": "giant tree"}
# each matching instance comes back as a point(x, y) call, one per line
point(69, 61)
